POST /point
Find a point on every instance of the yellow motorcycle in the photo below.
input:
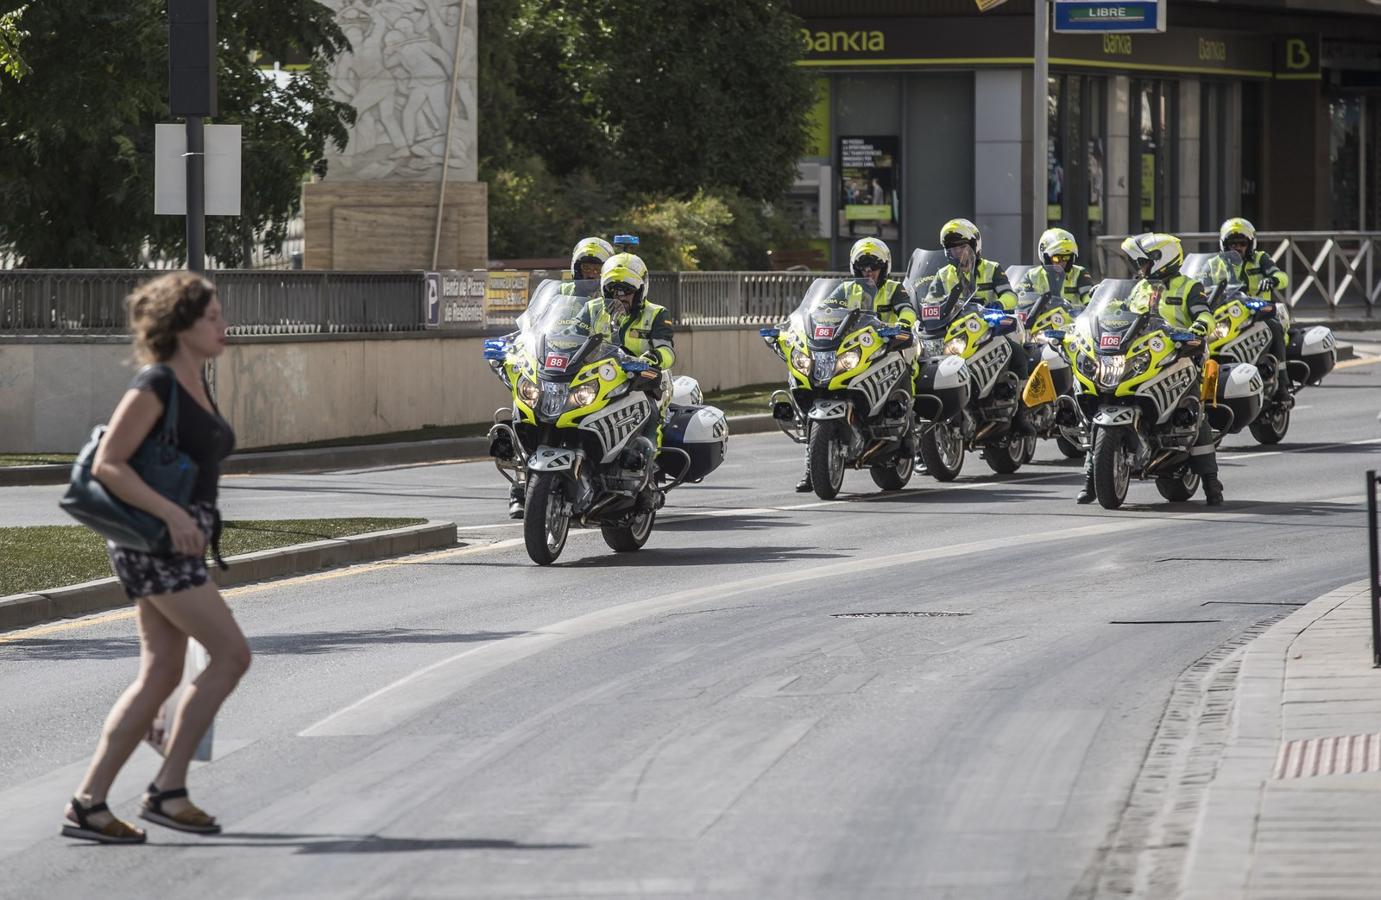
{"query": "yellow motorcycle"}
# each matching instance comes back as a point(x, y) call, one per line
point(1241, 335)
point(850, 387)
point(577, 430)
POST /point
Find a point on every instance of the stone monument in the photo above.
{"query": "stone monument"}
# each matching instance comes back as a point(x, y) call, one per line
point(377, 206)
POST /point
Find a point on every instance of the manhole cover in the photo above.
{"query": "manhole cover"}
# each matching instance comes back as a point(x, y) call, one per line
point(925, 614)
point(1349, 755)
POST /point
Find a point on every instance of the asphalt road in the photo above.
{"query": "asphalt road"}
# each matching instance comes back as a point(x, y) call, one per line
point(725, 713)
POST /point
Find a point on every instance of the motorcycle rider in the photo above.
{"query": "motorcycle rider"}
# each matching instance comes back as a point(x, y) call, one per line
point(986, 282)
point(643, 329)
point(1182, 303)
point(587, 257)
point(1057, 247)
point(871, 261)
point(1259, 275)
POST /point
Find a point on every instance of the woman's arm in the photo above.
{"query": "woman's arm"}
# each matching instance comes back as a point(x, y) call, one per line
point(132, 421)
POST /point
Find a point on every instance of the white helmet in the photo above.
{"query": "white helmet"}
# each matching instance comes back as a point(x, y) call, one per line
point(1163, 252)
point(961, 230)
point(624, 272)
point(870, 249)
point(1238, 228)
point(1057, 242)
point(590, 249)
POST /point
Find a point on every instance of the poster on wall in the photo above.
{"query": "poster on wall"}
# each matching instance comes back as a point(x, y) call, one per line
point(505, 297)
point(455, 300)
point(869, 181)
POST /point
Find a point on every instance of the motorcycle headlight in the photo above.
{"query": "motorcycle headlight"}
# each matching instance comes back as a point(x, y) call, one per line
point(528, 392)
point(1110, 370)
point(956, 346)
point(1137, 363)
point(933, 347)
point(1086, 364)
point(845, 361)
point(800, 361)
point(582, 396)
point(1219, 332)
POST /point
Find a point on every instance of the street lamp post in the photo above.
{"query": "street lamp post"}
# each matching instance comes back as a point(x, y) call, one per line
point(1040, 79)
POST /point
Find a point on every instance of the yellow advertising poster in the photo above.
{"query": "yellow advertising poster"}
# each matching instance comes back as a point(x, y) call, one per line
point(505, 296)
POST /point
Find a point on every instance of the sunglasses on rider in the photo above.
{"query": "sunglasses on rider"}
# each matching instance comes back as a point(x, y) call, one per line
point(1062, 257)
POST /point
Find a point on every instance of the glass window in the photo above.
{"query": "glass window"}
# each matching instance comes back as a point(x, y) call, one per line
point(1055, 169)
point(1345, 160)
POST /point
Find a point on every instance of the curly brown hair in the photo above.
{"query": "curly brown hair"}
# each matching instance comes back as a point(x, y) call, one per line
point(161, 308)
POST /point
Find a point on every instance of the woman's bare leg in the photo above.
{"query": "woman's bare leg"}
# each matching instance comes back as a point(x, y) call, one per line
point(200, 613)
point(162, 650)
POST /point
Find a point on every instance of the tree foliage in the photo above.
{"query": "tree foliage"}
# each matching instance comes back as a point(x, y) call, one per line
point(687, 118)
point(76, 159)
point(11, 62)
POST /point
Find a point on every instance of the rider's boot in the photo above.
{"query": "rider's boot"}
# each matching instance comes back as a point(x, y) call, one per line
point(805, 485)
point(517, 496)
point(1213, 490)
point(1087, 495)
point(1282, 383)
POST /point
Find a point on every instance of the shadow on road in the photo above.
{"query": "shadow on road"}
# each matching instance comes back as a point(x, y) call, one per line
point(306, 643)
point(747, 522)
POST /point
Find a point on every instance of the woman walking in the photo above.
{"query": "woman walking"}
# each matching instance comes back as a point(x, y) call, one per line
point(177, 327)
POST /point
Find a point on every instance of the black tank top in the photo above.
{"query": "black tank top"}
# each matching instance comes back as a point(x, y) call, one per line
point(201, 434)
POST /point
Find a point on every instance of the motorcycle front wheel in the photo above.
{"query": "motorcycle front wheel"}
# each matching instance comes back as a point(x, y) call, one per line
point(942, 449)
point(1007, 457)
point(1112, 467)
point(826, 453)
point(894, 476)
point(547, 518)
point(1177, 488)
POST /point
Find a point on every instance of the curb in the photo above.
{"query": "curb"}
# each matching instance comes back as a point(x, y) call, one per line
point(1221, 850)
point(361, 456)
point(35, 608)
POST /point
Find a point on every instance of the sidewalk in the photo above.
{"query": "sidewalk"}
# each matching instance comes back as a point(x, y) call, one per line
point(1294, 808)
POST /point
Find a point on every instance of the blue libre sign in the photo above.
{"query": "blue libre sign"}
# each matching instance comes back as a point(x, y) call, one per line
point(1109, 16)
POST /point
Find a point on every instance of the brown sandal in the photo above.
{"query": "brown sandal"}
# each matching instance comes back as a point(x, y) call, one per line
point(114, 832)
point(192, 819)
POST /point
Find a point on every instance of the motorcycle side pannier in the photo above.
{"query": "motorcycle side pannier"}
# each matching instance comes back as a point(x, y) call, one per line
point(1317, 348)
point(942, 388)
point(701, 431)
point(1240, 390)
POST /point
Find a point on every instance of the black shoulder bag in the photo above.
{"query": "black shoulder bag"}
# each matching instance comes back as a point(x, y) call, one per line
point(161, 465)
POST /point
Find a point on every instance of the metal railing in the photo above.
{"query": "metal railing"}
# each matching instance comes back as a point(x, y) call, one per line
point(730, 298)
point(92, 301)
point(1333, 270)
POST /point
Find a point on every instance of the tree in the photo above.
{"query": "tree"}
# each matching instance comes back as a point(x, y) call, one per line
point(689, 115)
point(11, 63)
point(76, 154)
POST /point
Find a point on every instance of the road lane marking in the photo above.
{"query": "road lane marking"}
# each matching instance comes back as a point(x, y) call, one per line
point(395, 703)
point(1262, 455)
point(1353, 363)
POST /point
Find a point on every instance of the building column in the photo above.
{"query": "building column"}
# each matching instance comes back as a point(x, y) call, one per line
point(1118, 204)
point(1188, 156)
point(998, 194)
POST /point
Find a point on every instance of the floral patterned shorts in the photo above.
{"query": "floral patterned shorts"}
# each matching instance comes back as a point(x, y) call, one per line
point(146, 574)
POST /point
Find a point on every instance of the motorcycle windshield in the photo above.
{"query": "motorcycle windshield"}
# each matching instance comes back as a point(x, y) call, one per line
point(921, 270)
point(831, 308)
point(1032, 304)
point(1111, 321)
point(1212, 269)
point(562, 320)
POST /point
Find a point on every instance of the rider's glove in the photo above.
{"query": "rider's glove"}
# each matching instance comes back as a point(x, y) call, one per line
point(1271, 283)
point(1200, 327)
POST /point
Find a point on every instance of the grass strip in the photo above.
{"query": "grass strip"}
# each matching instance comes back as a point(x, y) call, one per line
point(43, 557)
point(36, 459)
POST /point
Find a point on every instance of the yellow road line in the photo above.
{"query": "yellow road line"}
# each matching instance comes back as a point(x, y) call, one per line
point(1362, 361)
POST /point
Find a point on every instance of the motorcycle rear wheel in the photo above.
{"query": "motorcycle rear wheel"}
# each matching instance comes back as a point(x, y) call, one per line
point(1007, 457)
point(1070, 449)
point(826, 455)
point(942, 450)
point(546, 520)
point(1270, 427)
point(627, 538)
point(1112, 470)
point(1177, 488)
point(896, 475)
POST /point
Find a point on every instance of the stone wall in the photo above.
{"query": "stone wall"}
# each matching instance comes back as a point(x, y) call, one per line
point(296, 389)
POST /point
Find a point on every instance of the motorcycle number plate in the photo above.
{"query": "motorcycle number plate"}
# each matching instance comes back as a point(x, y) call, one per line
point(930, 312)
point(824, 332)
point(557, 361)
point(1110, 341)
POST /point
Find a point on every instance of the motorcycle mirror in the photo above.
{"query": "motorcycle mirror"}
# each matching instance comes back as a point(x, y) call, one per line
point(770, 334)
point(634, 365)
point(1055, 335)
point(1005, 325)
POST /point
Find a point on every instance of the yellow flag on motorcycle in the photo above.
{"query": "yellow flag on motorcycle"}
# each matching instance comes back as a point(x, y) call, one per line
point(1040, 387)
point(1210, 391)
